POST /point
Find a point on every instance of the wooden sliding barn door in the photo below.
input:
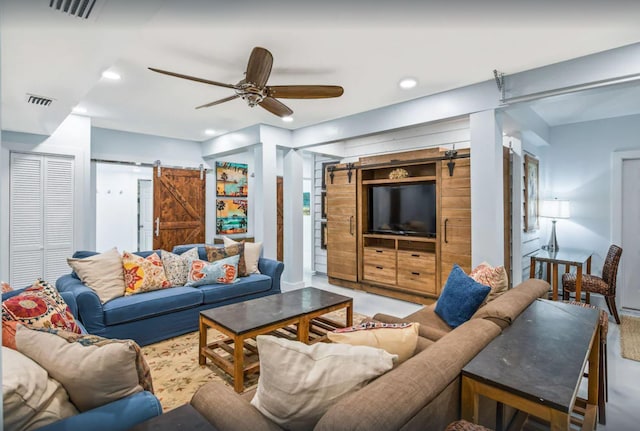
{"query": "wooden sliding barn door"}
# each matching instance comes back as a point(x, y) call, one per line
point(178, 207)
point(342, 242)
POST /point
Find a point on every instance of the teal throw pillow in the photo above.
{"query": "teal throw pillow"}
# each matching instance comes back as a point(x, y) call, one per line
point(460, 298)
point(223, 271)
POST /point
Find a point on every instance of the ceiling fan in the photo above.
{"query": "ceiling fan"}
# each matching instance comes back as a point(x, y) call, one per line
point(255, 91)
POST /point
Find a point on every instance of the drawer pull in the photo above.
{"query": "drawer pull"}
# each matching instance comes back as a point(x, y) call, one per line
point(415, 255)
point(378, 251)
point(379, 267)
point(415, 273)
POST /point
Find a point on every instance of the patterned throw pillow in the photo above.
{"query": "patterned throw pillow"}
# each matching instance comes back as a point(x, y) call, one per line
point(252, 252)
point(143, 274)
point(176, 266)
point(39, 306)
point(217, 253)
point(395, 338)
point(223, 271)
point(5, 287)
point(496, 278)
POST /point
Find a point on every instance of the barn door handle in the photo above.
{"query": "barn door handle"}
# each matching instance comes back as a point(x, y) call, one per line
point(351, 225)
point(158, 226)
point(445, 230)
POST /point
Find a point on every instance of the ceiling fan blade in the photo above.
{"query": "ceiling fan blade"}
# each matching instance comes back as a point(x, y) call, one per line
point(276, 107)
point(259, 67)
point(192, 78)
point(304, 91)
point(217, 102)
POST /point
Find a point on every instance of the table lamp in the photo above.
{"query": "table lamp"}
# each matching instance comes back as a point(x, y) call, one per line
point(554, 209)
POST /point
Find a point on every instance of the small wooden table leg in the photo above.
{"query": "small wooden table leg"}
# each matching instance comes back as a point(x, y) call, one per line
point(238, 363)
point(532, 268)
point(579, 283)
point(469, 400)
point(303, 329)
point(559, 421)
point(555, 282)
point(349, 321)
point(202, 359)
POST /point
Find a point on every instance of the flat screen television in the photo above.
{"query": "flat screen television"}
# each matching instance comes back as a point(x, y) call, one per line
point(408, 209)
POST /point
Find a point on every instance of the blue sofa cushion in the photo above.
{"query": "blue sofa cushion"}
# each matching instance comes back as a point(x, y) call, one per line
point(149, 304)
point(460, 298)
point(254, 283)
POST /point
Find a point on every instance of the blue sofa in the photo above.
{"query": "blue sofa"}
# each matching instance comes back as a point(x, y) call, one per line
point(119, 415)
point(154, 316)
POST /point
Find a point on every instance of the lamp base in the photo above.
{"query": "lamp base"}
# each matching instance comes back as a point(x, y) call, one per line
point(553, 241)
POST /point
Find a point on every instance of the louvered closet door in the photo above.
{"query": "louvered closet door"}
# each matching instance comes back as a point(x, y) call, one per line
point(41, 217)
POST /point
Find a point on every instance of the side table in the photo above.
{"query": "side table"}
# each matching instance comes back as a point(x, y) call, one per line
point(184, 418)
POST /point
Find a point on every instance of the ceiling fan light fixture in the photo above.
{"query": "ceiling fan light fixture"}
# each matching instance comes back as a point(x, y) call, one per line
point(287, 119)
point(408, 83)
point(111, 75)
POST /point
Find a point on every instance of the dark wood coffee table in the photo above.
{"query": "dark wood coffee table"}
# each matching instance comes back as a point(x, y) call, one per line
point(537, 363)
point(295, 315)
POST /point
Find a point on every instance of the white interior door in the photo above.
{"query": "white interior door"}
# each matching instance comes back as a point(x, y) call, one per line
point(145, 214)
point(630, 280)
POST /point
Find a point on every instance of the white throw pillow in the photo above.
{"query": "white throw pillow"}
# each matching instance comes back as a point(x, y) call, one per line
point(102, 272)
point(92, 375)
point(296, 395)
point(176, 266)
point(30, 398)
point(252, 252)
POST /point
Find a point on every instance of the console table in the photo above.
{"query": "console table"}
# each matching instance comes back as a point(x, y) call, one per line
point(566, 256)
point(536, 365)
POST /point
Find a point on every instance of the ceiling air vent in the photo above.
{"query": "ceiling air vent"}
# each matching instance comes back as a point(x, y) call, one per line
point(79, 8)
point(39, 100)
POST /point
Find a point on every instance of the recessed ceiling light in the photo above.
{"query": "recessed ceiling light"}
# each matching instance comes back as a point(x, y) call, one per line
point(79, 110)
point(210, 132)
point(288, 119)
point(108, 74)
point(407, 83)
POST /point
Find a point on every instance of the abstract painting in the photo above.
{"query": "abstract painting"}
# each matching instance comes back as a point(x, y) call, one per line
point(231, 216)
point(231, 179)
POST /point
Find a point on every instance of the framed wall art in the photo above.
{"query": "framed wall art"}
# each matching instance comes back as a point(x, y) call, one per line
point(231, 179)
point(531, 193)
point(231, 216)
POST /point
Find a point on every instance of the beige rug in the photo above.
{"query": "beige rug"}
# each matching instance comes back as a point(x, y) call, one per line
point(630, 337)
point(175, 370)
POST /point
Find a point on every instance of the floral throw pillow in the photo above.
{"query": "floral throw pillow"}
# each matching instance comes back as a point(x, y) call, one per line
point(494, 277)
point(5, 287)
point(176, 266)
point(143, 274)
point(39, 306)
point(224, 271)
point(217, 253)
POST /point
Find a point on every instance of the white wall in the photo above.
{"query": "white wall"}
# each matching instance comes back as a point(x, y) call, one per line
point(117, 205)
point(579, 162)
point(71, 138)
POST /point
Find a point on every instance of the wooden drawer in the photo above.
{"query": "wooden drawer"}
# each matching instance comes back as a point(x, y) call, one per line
point(417, 280)
point(419, 261)
point(380, 256)
point(380, 273)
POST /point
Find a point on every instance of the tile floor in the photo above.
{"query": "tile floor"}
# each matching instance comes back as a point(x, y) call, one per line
point(623, 408)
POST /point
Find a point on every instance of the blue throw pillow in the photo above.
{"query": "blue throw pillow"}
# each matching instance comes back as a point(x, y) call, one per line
point(223, 271)
point(460, 298)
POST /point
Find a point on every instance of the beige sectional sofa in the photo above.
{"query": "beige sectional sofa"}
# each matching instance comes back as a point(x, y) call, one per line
point(422, 393)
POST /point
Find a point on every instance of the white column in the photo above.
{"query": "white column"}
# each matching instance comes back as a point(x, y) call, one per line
point(487, 217)
point(292, 278)
point(265, 198)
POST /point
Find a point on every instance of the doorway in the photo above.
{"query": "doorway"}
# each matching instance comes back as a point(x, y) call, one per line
point(145, 214)
point(630, 273)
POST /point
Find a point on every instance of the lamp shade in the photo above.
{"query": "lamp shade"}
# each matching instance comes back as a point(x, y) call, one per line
point(555, 209)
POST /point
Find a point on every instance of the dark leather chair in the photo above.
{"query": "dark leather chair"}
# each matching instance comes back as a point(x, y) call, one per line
point(605, 285)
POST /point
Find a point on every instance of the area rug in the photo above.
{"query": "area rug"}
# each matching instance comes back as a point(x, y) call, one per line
point(175, 370)
point(630, 337)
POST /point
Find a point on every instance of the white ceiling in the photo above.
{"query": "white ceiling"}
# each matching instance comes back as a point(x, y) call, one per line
point(367, 50)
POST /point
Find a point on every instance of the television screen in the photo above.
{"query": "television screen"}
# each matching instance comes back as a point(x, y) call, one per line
point(403, 209)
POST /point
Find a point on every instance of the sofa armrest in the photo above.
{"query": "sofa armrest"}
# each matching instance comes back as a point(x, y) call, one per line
point(70, 300)
point(273, 269)
point(425, 331)
point(226, 410)
point(89, 307)
point(118, 415)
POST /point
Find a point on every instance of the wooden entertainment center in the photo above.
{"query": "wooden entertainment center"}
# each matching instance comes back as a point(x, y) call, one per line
point(408, 267)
